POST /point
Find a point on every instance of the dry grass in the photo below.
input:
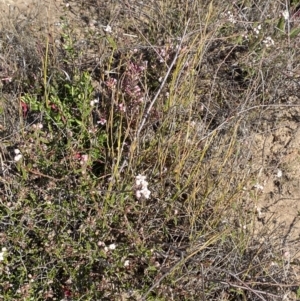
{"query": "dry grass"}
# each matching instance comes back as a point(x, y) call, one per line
point(173, 93)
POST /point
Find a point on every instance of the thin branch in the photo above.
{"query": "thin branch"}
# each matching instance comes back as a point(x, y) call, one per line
point(162, 84)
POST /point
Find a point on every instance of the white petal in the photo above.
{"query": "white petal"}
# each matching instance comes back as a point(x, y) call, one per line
point(18, 157)
point(112, 246)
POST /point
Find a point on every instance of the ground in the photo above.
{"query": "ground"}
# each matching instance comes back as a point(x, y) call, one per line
point(276, 155)
point(266, 141)
point(48, 10)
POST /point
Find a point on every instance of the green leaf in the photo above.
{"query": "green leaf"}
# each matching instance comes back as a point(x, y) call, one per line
point(112, 42)
point(281, 24)
point(298, 292)
point(79, 122)
point(294, 32)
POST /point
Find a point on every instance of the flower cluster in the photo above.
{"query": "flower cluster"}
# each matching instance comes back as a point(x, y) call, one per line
point(166, 53)
point(268, 41)
point(37, 126)
point(142, 187)
point(94, 102)
point(102, 121)
point(230, 17)
point(82, 157)
point(131, 82)
point(106, 249)
point(257, 30)
point(111, 83)
point(18, 156)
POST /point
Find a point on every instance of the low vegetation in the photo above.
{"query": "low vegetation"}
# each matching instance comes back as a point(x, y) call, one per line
point(126, 163)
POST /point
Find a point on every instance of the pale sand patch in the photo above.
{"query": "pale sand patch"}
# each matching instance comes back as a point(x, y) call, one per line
point(276, 153)
point(46, 12)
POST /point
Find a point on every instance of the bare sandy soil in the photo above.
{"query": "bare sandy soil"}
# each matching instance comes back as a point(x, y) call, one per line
point(276, 153)
point(45, 10)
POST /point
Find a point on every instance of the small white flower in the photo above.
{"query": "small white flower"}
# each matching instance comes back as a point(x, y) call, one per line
point(258, 187)
point(37, 126)
point(139, 180)
point(147, 196)
point(156, 264)
point(17, 151)
point(257, 29)
point(112, 247)
point(142, 185)
point(102, 121)
point(84, 158)
point(93, 102)
point(18, 157)
point(108, 29)
point(245, 36)
point(101, 244)
point(2, 253)
point(286, 15)
point(230, 17)
point(258, 211)
point(286, 255)
point(193, 124)
point(138, 194)
point(144, 192)
point(268, 41)
point(126, 263)
point(122, 107)
point(279, 173)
